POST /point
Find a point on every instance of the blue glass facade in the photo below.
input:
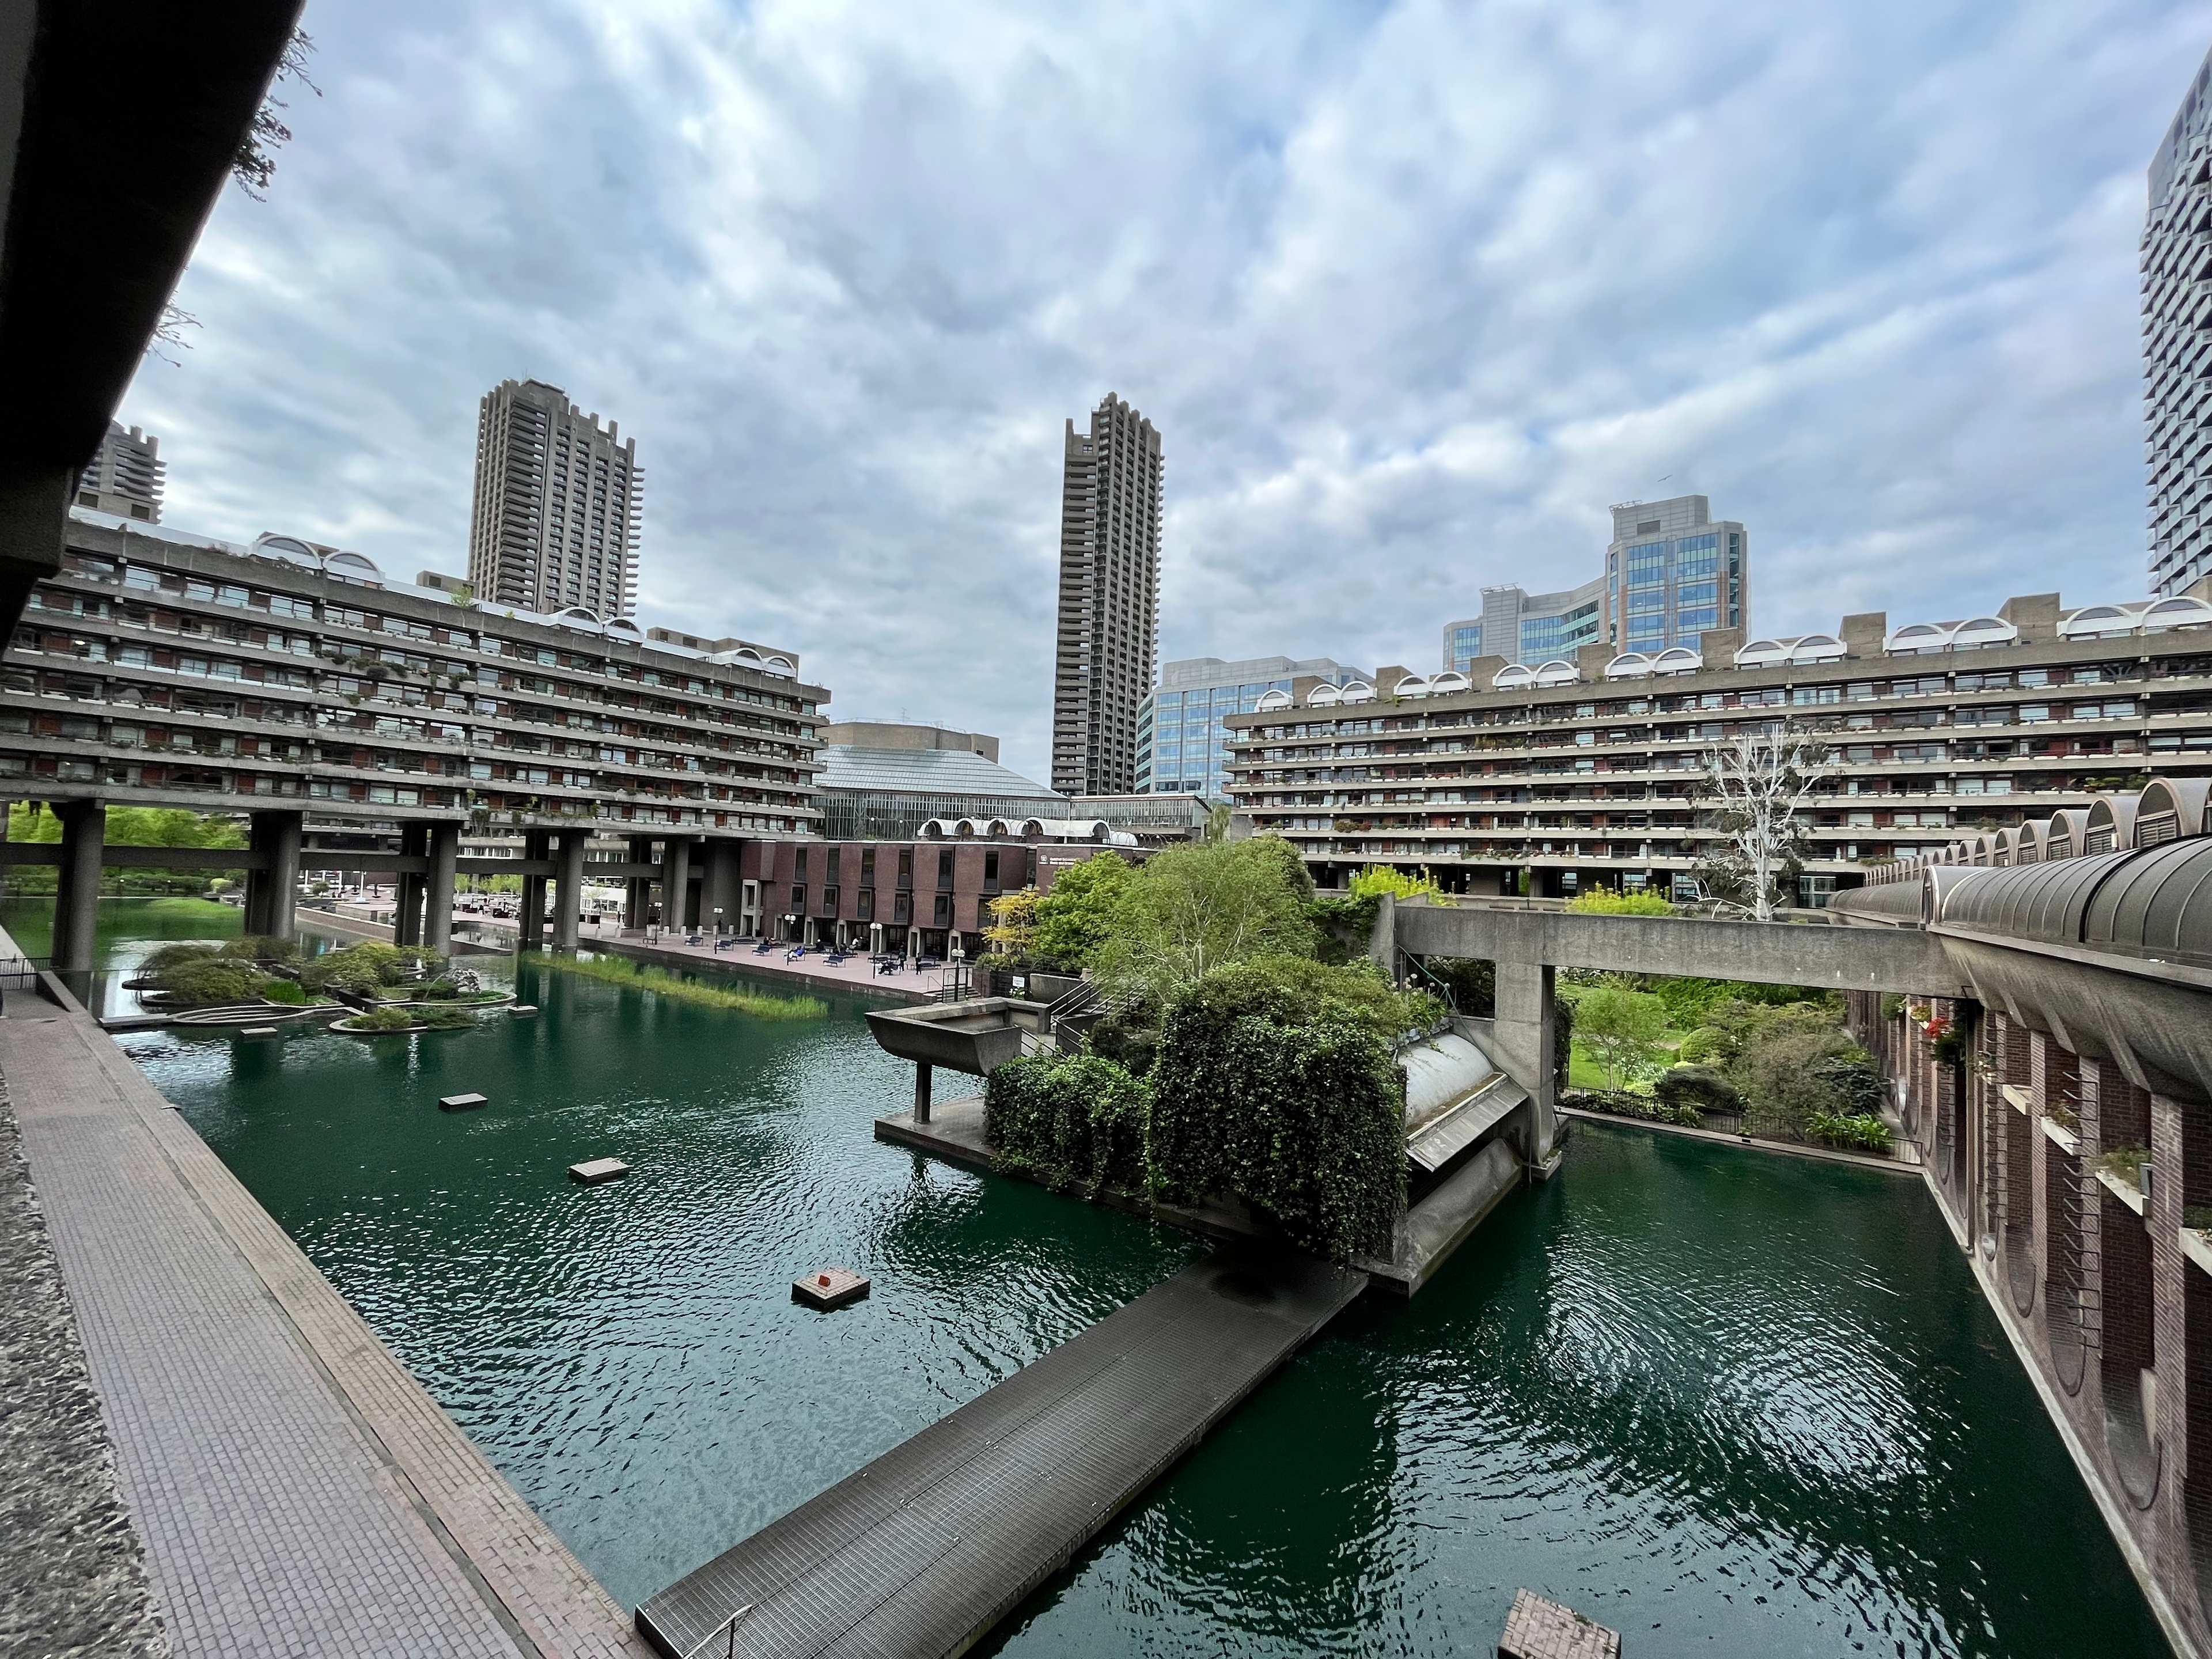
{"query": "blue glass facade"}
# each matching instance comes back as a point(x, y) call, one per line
point(1668, 590)
point(1182, 735)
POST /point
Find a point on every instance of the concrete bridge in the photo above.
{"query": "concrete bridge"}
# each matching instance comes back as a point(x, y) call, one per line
point(1528, 947)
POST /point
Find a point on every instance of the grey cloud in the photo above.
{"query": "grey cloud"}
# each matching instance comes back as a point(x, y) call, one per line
point(1414, 292)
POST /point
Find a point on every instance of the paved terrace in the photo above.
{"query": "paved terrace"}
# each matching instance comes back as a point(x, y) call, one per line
point(295, 1490)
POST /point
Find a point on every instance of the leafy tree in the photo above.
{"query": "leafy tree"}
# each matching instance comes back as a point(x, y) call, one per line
point(1012, 928)
point(1076, 915)
point(1622, 1027)
point(133, 826)
point(1198, 907)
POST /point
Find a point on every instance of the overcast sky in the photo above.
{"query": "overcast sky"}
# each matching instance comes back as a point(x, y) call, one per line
point(1413, 293)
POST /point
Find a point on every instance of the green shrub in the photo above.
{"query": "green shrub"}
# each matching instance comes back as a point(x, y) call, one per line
point(286, 991)
point(1856, 1082)
point(1704, 1046)
point(1699, 1087)
point(1473, 983)
point(1860, 1131)
point(1645, 1108)
point(257, 948)
point(1609, 902)
point(382, 1019)
point(1074, 1120)
point(211, 979)
point(1266, 1089)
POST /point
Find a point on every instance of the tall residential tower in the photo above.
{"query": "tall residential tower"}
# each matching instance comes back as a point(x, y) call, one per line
point(559, 505)
point(1109, 604)
point(126, 476)
point(2177, 313)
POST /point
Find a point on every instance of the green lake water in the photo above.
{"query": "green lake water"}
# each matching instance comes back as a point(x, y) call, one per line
point(1727, 1402)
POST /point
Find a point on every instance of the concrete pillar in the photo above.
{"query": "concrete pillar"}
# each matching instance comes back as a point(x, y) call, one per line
point(1527, 1034)
point(921, 1092)
point(723, 889)
point(438, 888)
point(675, 882)
point(536, 846)
point(282, 876)
point(255, 921)
point(637, 890)
point(76, 894)
point(568, 894)
point(407, 918)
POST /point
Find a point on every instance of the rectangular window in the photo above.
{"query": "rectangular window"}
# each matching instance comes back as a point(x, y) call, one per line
point(829, 901)
point(944, 868)
point(867, 865)
point(867, 904)
point(941, 916)
point(906, 867)
point(797, 900)
point(990, 867)
point(799, 864)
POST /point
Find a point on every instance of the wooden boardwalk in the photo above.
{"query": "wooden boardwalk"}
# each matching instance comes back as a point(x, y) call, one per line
point(924, 1550)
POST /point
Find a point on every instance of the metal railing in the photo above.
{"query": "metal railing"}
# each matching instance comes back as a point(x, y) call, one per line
point(726, 1631)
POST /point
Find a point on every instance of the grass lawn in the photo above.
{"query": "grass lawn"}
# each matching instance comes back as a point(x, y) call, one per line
point(174, 906)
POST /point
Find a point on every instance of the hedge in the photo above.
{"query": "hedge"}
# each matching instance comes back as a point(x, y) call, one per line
point(1306, 1122)
point(1074, 1121)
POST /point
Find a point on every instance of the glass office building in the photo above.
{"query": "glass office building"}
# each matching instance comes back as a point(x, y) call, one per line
point(1672, 572)
point(1183, 734)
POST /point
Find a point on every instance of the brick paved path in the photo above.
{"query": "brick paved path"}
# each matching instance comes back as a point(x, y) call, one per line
point(297, 1491)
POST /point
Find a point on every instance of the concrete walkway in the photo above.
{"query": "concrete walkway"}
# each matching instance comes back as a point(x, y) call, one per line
point(296, 1490)
point(921, 1552)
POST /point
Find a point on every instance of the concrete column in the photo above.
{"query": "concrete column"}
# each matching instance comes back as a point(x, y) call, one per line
point(283, 870)
point(536, 845)
point(407, 918)
point(637, 890)
point(1527, 1034)
point(921, 1092)
point(675, 881)
point(255, 921)
point(76, 894)
point(568, 895)
point(724, 888)
point(438, 887)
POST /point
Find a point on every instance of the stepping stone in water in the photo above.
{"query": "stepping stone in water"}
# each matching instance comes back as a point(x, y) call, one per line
point(523, 1008)
point(259, 1030)
point(832, 1287)
point(461, 1102)
point(597, 1171)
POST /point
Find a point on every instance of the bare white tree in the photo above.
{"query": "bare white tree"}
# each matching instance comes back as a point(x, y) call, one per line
point(1756, 787)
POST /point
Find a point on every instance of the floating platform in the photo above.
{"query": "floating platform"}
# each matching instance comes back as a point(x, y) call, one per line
point(1538, 1629)
point(258, 1031)
point(467, 1104)
point(1439, 1221)
point(597, 1172)
point(831, 1288)
point(523, 1008)
point(923, 1550)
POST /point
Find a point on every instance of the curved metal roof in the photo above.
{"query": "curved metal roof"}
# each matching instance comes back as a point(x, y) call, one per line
point(2043, 903)
point(2157, 903)
point(2154, 902)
